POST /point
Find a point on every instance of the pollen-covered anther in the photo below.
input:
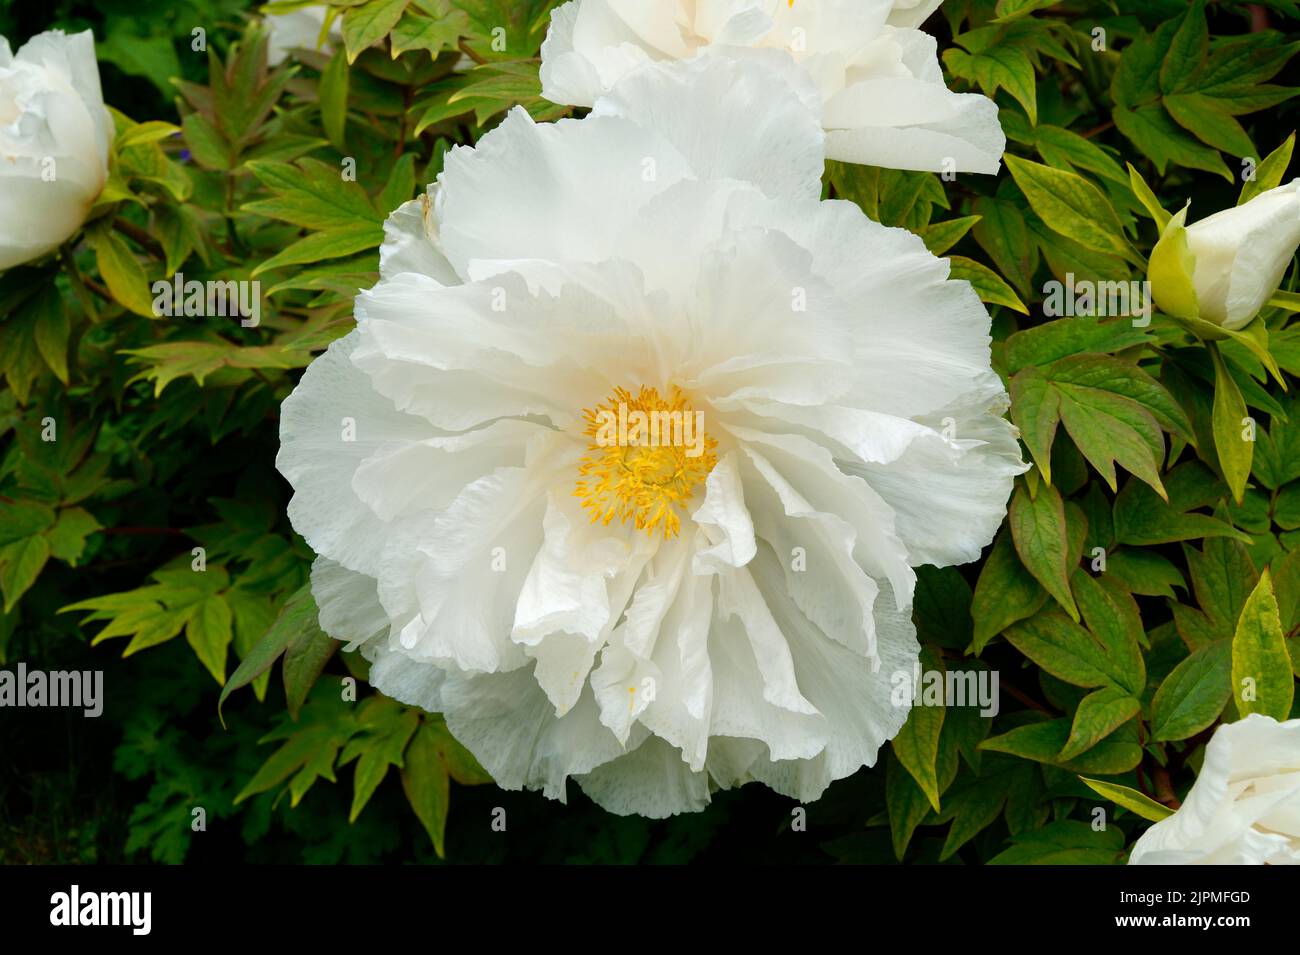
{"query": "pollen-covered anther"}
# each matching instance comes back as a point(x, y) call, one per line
point(647, 456)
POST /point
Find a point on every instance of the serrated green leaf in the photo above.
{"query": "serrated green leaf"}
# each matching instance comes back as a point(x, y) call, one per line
point(1004, 593)
point(1073, 206)
point(1262, 677)
point(1038, 529)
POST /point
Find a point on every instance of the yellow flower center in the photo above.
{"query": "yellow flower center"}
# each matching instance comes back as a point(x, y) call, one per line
point(647, 455)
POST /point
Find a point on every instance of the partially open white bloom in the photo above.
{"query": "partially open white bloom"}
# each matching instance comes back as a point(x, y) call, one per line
point(54, 138)
point(300, 29)
point(657, 614)
point(1244, 808)
point(873, 81)
point(1242, 253)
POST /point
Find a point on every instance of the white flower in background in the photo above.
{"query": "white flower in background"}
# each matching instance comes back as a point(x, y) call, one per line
point(912, 13)
point(54, 138)
point(1244, 808)
point(1233, 261)
point(300, 29)
point(662, 620)
point(875, 84)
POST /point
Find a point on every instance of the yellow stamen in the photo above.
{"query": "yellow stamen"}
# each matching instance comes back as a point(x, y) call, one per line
point(648, 454)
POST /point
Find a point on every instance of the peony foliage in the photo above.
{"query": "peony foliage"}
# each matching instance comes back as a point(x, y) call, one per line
point(309, 313)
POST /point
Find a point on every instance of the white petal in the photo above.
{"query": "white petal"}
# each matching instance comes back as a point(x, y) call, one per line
point(704, 108)
point(331, 423)
point(348, 603)
point(410, 243)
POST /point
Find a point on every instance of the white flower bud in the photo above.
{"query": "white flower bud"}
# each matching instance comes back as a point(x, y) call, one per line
point(1233, 260)
point(54, 137)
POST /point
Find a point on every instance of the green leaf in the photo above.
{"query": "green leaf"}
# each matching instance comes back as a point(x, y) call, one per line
point(1148, 199)
point(1187, 50)
point(941, 607)
point(1161, 139)
point(1063, 148)
point(1000, 66)
point(1262, 677)
point(1130, 799)
point(310, 748)
point(332, 244)
point(19, 519)
point(304, 660)
point(367, 23)
point(415, 32)
point(386, 730)
point(67, 537)
point(297, 617)
point(20, 564)
point(1039, 531)
point(1045, 344)
point(1223, 576)
point(1072, 206)
point(1100, 713)
point(1204, 117)
point(122, 272)
point(1145, 572)
point(987, 283)
point(1230, 423)
point(1005, 593)
point(1112, 616)
point(141, 133)
point(1064, 649)
point(907, 804)
point(206, 143)
point(1043, 742)
point(1036, 411)
point(313, 195)
point(1143, 519)
point(1193, 694)
point(400, 185)
point(334, 99)
point(941, 236)
point(917, 743)
point(1113, 410)
point(209, 631)
point(1065, 842)
point(1270, 172)
point(425, 782)
point(1003, 234)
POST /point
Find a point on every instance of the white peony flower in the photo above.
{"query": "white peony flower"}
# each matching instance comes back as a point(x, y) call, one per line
point(1244, 808)
point(300, 29)
point(723, 602)
point(873, 80)
point(912, 13)
point(54, 138)
point(1239, 255)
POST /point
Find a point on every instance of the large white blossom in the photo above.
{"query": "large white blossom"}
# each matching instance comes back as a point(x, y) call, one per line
point(54, 139)
point(653, 623)
point(1244, 808)
point(861, 66)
